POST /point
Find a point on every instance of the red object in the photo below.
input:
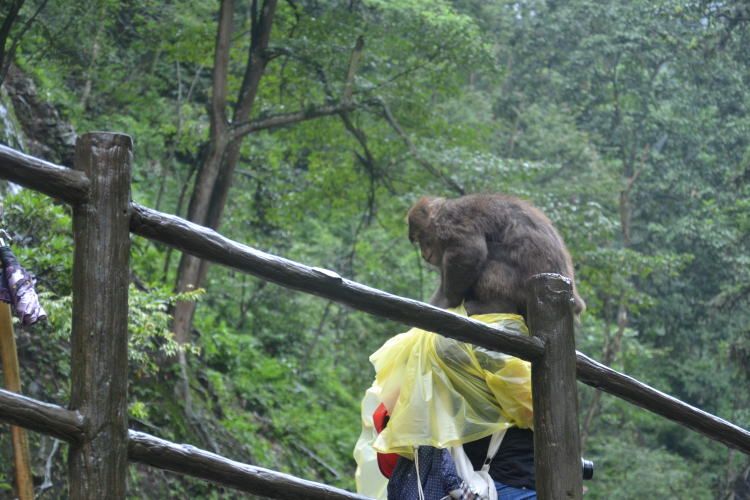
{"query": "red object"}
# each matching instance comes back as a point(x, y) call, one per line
point(386, 461)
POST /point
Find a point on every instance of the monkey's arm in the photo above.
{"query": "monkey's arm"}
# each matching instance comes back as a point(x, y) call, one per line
point(438, 299)
point(462, 263)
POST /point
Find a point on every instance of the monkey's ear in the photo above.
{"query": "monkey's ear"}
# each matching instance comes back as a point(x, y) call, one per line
point(436, 203)
point(429, 203)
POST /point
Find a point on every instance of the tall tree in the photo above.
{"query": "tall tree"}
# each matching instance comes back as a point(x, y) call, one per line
point(225, 138)
point(10, 11)
point(448, 36)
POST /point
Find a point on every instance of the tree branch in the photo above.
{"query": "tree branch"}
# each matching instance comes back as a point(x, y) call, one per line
point(274, 52)
point(221, 68)
point(451, 184)
point(259, 36)
point(514, 130)
point(6, 26)
point(631, 181)
point(407, 71)
point(368, 160)
point(48, 468)
point(315, 457)
point(317, 336)
point(356, 54)
point(242, 129)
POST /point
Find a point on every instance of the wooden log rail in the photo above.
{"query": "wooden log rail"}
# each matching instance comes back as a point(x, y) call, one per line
point(211, 246)
point(186, 459)
point(44, 418)
point(143, 448)
point(63, 184)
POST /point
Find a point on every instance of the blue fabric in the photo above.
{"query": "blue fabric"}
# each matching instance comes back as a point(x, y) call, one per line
point(437, 473)
point(509, 493)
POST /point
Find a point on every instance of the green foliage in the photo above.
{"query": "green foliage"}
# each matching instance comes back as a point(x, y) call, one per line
point(647, 472)
point(148, 324)
point(576, 106)
point(42, 238)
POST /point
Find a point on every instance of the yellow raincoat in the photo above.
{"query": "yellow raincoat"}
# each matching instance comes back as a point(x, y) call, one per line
point(440, 392)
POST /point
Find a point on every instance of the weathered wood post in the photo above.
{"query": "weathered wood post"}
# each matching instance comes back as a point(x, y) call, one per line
point(99, 337)
point(557, 455)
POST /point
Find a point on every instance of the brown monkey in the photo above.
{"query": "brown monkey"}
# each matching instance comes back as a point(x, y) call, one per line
point(486, 247)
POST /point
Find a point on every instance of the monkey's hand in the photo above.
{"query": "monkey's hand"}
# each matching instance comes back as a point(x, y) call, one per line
point(473, 307)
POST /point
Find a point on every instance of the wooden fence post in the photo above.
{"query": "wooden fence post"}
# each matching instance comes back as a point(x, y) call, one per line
point(99, 337)
point(557, 455)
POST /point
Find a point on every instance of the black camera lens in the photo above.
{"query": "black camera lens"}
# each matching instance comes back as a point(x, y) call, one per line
point(588, 469)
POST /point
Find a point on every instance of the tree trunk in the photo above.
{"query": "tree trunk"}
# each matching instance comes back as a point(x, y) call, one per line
point(214, 179)
point(609, 350)
point(94, 56)
point(15, 6)
point(215, 176)
point(612, 346)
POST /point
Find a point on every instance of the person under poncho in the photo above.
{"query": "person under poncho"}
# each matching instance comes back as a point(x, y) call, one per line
point(440, 392)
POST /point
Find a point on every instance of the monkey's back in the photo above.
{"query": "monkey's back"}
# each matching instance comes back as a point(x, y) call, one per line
point(518, 235)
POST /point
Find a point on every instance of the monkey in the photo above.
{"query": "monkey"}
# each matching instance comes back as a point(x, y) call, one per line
point(486, 246)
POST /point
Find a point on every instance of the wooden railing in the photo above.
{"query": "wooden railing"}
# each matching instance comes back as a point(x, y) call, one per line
point(98, 189)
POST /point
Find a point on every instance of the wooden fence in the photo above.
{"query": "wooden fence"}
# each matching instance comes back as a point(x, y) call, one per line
point(95, 426)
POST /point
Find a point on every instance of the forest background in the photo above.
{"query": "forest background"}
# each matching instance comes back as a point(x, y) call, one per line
point(307, 129)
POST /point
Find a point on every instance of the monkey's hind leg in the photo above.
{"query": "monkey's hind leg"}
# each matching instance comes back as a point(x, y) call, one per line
point(497, 290)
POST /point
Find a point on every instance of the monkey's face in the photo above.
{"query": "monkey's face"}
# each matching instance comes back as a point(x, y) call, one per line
point(430, 252)
point(421, 228)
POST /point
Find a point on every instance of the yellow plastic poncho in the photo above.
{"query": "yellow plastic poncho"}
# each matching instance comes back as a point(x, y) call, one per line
point(440, 392)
